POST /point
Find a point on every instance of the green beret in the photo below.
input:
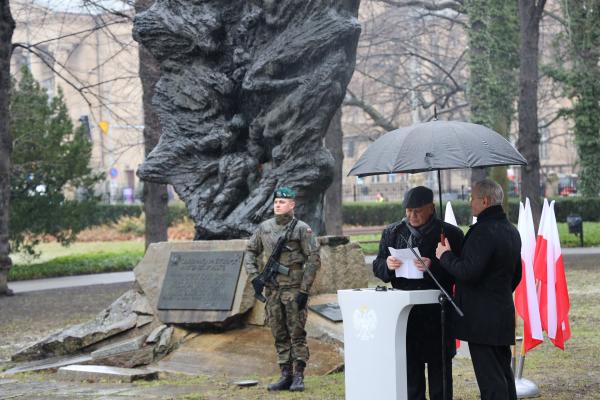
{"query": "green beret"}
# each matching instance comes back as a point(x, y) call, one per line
point(418, 197)
point(285, 193)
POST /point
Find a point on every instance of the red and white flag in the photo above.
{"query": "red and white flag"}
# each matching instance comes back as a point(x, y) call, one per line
point(449, 215)
point(539, 240)
point(451, 219)
point(550, 272)
point(526, 300)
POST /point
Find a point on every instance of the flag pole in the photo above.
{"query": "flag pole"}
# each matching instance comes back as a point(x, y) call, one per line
point(513, 348)
point(525, 387)
point(521, 364)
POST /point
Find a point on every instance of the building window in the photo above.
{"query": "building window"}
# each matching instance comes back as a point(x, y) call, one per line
point(391, 178)
point(544, 144)
point(360, 180)
point(375, 179)
point(48, 84)
point(21, 58)
point(349, 148)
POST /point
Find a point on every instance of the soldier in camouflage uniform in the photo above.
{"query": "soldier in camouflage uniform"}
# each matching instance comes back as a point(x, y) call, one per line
point(286, 301)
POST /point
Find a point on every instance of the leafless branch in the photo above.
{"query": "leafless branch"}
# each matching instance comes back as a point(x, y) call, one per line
point(555, 17)
point(428, 5)
point(94, 29)
point(376, 116)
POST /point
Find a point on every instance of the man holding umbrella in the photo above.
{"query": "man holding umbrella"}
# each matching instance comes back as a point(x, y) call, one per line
point(487, 272)
point(422, 229)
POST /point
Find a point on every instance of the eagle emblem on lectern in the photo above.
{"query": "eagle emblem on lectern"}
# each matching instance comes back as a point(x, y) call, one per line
point(365, 323)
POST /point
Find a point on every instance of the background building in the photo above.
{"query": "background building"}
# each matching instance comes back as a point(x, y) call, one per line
point(406, 62)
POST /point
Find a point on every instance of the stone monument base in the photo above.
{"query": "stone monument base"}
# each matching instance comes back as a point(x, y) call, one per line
point(133, 331)
point(240, 353)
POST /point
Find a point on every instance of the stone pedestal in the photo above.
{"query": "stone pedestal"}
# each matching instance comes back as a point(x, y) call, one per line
point(150, 274)
point(342, 266)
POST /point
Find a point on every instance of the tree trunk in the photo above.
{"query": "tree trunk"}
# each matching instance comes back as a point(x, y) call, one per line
point(480, 71)
point(529, 139)
point(333, 195)
point(155, 195)
point(7, 26)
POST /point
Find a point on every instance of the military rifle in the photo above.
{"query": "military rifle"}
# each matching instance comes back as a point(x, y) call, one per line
point(273, 267)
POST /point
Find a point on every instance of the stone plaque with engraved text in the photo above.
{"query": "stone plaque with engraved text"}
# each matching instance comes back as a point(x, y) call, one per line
point(201, 280)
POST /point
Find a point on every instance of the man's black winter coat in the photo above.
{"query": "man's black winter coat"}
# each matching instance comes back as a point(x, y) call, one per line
point(486, 274)
point(423, 330)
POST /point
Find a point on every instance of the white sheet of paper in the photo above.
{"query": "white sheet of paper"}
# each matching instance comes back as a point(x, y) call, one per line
point(407, 269)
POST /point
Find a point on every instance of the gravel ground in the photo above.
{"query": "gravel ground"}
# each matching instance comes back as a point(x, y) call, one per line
point(28, 317)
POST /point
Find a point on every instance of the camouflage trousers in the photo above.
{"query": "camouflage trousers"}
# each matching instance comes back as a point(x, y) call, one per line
point(287, 325)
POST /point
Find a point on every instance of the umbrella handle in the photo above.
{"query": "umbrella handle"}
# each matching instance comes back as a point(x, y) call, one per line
point(443, 238)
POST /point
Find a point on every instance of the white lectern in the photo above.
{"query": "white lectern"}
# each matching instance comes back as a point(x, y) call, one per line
point(375, 340)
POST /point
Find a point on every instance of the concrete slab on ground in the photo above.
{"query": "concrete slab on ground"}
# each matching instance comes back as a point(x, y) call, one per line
point(94, 373)
point(48, 363)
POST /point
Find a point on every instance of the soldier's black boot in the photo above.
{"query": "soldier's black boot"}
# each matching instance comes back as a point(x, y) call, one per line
point(298, 381)
point(284, 381)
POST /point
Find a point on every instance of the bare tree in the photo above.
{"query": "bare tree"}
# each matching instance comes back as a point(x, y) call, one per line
point(414, 55)
point(410, 59)
point(333, 195)
point(530, 13)
point(155, 195)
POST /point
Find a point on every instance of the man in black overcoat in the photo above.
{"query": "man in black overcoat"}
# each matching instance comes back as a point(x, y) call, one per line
point(421, 228)
point(486, 273)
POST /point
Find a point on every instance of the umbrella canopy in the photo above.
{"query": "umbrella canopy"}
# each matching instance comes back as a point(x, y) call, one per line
point(436, 145)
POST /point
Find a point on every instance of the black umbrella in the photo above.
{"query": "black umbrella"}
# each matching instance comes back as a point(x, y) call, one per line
point(436, 145)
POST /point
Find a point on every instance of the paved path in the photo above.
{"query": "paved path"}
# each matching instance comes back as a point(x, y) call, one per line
point(120, 277)
point(71, 281)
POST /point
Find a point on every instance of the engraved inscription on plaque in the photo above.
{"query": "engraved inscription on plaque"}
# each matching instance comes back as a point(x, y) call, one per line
point(201, 280)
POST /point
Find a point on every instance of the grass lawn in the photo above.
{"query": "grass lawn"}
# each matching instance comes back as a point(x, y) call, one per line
point(591, 236)
point(53, 249)
point(77, 259)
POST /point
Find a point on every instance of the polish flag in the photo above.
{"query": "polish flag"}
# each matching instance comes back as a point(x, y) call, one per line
point(553, 292)
point(451, 219)
point(526, 300)
point(539, 264)
point(449, 215)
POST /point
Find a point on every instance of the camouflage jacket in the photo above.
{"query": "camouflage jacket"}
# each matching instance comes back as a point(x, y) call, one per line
point(301, 252)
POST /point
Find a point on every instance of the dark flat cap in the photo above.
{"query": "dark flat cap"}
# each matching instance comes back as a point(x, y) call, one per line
point(417, 197)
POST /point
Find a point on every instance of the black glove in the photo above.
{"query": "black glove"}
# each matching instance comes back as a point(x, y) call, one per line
point(302, 299)
point(257, 285)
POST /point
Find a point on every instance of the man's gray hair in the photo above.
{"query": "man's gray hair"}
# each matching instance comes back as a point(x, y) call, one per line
point(489, 188)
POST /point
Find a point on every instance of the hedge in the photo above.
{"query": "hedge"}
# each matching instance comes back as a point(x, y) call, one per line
point(372, 213)
point(78, 264)
point(107, 214)
point(369, 213)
